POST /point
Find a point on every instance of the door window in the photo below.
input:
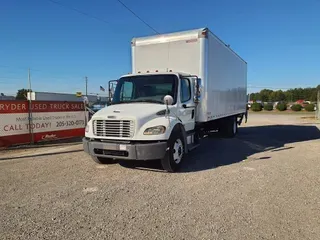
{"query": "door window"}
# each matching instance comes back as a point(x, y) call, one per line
point(185, 90)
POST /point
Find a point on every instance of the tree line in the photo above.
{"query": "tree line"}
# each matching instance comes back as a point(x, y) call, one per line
point(291, 95)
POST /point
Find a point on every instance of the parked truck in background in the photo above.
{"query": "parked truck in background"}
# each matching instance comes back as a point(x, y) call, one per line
point(183, 85)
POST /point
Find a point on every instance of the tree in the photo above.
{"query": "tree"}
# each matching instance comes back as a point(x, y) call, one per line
point(314, 95)
point(277, 96)
point(281, 106)
point(22, 94)
point(288, 96)
point(291, 95)
point(309, 107)
point(268, 107)
point(254, 96)
point(256, 107)
point(265, 95)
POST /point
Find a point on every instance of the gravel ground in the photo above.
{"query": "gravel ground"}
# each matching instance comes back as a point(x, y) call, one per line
point(263, 184)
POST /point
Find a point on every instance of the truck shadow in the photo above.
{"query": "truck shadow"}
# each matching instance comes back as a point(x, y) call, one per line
point(216, 152)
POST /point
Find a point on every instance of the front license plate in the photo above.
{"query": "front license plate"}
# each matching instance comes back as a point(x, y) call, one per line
point(111, 147)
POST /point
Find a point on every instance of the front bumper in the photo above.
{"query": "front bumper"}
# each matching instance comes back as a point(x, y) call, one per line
point(125, 151)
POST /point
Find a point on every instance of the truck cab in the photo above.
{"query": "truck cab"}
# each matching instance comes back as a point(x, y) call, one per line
point(152, 116)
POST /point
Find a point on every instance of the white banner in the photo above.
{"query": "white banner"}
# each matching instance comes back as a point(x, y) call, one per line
point(18, 123)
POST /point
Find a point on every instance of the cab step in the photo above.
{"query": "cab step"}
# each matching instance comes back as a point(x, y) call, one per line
point(192, 146)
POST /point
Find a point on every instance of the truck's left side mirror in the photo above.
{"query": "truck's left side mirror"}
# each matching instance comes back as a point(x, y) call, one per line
point(197, 93)
point(112, 88)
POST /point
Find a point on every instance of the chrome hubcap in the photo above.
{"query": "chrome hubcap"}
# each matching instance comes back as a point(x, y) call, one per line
point(177, 151)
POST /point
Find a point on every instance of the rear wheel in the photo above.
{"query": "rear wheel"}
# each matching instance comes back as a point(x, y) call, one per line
point(229, 127)
point(174, 155)
point(102, 160)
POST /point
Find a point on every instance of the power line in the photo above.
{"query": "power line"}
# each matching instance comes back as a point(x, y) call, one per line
point(79, 11)
point(20, 68)
point(100, 19)
point(136, 15)
point(13, 78)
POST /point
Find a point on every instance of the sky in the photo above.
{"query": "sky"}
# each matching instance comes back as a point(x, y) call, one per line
point(280, 39)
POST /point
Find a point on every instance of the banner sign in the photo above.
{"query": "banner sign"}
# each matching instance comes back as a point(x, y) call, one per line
point(50, 120)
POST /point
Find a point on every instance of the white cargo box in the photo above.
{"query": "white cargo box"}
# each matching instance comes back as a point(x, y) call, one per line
point(198, 52)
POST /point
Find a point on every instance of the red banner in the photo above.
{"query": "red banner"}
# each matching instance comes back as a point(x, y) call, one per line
point(50, 121)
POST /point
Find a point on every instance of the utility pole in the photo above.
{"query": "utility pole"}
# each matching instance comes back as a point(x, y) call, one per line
point(85, 102)
point(29, 79)
point(318, 106)
point(86, 85)
point(30, 109)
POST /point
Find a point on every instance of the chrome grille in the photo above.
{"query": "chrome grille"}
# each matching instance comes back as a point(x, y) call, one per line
point(113, 128)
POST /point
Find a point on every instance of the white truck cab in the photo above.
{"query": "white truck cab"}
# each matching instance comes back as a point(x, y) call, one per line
point(161, 114)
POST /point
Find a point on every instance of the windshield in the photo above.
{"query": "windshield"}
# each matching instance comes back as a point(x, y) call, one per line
point(148, 88)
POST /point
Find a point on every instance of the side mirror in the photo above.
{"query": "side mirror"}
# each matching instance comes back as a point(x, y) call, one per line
point(112, 88)
point(168, 100)
point(197, 92)
point(85, 100)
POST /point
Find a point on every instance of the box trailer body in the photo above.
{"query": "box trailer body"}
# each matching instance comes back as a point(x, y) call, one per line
point(200, 53)
point(183, 86)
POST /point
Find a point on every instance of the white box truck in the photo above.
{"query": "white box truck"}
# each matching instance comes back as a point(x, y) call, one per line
point(183, 85)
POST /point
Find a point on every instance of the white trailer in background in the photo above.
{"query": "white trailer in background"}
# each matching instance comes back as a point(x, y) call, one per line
point(183, 86)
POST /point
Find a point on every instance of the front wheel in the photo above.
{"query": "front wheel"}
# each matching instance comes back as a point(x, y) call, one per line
point(174, 155)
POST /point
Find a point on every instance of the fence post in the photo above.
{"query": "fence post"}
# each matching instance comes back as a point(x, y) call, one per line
point(30, 109)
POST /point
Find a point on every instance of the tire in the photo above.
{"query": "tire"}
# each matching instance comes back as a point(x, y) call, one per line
point(175, 154)
point(102, 160)
point(230, 127)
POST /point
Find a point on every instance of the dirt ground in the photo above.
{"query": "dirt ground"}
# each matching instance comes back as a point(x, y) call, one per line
point(263, 184)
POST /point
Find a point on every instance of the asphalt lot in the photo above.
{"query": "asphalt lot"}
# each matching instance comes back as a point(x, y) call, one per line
point(263, 184)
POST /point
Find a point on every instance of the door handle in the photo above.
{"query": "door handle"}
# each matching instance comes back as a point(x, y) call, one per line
point(186, 106)
point(192, 115)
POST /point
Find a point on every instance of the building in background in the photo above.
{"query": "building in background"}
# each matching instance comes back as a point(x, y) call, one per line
point(6, 98)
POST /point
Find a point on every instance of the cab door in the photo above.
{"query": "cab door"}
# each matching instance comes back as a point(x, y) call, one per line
point(187, 107)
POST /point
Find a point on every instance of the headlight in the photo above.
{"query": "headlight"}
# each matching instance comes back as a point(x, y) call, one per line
point(87, 128)
point(155, 130)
